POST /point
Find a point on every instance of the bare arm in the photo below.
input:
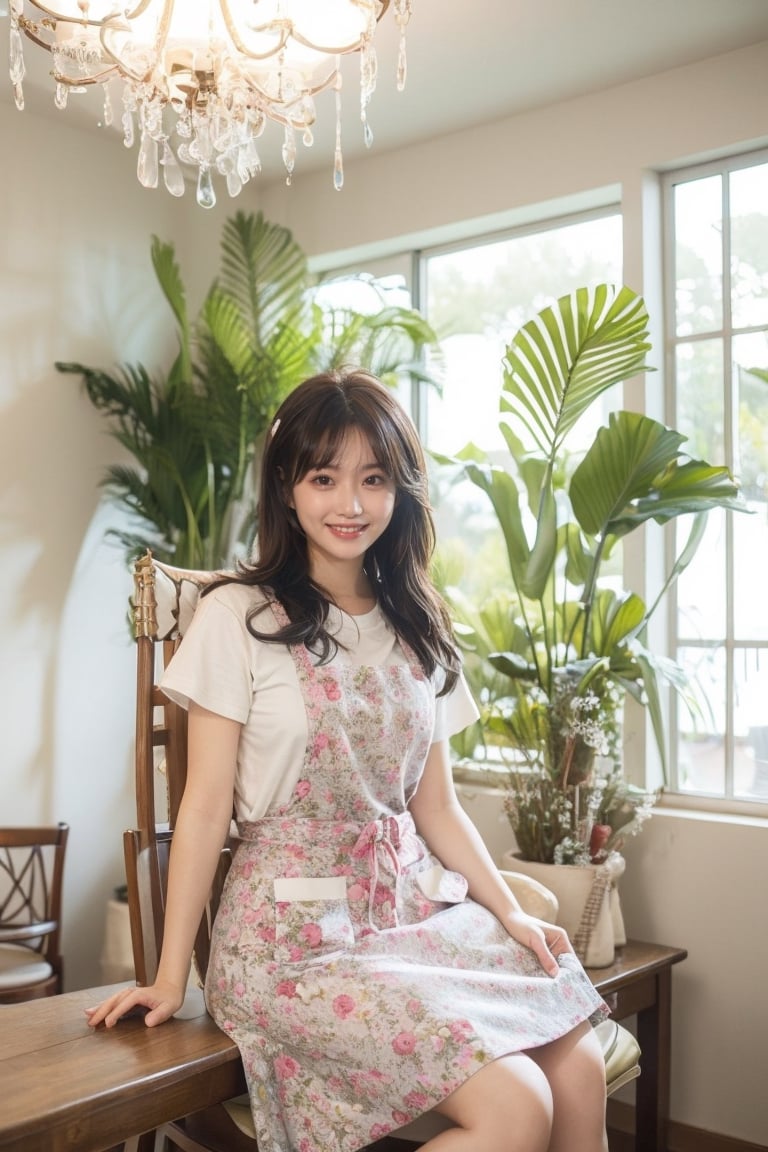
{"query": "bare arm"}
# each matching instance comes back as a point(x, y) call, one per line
point(453, 838)
point(200, 833)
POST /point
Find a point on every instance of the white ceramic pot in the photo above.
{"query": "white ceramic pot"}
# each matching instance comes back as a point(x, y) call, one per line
point(588, 903)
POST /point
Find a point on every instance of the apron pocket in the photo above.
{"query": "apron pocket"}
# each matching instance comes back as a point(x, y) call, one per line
point(311, 917)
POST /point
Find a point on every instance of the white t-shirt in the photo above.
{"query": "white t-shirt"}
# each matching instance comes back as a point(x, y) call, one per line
point(222, 667)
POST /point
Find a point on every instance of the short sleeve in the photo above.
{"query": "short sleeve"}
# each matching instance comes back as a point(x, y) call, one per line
point(212, 666)
point(454, 711)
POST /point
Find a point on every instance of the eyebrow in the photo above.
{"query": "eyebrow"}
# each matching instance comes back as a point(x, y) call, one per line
point(335, 467)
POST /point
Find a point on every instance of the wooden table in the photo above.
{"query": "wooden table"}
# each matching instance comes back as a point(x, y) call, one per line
point(639, 982)
point(65, 1087)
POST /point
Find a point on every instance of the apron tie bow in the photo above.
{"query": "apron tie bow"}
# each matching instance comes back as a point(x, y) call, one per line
point(376, 838)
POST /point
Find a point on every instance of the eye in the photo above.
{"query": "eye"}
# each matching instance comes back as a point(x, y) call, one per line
point(322, 480)
point(375, 480)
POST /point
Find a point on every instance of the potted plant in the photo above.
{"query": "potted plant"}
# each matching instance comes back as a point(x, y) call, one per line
point(195, 432)
point(553, 655)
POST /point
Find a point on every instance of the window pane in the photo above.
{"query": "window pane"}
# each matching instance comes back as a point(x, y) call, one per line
point(750, 533)
point(701, 589)
point(369, 294)
point(478, 297)
point(700, 400)
point(469, 406)
point(698, 255)
point(749, 245)
point(751, 724)
point(701, 743)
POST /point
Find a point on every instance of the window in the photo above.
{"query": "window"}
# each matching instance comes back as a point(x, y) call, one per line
point(716, 274)
point(367, 289)
point(476, 297)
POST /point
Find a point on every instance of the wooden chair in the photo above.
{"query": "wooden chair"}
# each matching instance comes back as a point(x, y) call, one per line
point(31, 874)
point(164, 602)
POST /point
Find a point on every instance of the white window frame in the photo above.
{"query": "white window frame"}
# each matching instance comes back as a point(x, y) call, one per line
point(727, 803)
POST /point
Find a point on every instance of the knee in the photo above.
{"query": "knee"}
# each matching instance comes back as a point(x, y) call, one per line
point(506, 1105)
point(589, 1063)
point(575, 1069)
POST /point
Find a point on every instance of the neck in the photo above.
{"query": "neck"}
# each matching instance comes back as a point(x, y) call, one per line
point(351, 592)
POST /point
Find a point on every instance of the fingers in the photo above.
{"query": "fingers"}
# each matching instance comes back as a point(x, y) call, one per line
point(130, 1001)
point(544, 955)
point(557, 940)
point(548, 943)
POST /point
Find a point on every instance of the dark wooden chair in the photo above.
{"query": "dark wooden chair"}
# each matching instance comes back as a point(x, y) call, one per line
point(164, 602)
point(31, 875)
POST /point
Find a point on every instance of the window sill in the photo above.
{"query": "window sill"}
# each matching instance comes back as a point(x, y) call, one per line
point(495, 778)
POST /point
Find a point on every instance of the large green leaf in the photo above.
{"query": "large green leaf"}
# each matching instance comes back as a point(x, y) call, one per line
point(169, 278)
point(620, 467)
point(563, 359)
point(614, 620)
point(634, 471)
point(505, 498)
point(265, 271)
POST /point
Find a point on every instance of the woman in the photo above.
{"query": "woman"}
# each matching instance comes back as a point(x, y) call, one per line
point(368, 959)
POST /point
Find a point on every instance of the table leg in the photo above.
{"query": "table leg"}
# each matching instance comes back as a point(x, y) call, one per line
point(652, 1099)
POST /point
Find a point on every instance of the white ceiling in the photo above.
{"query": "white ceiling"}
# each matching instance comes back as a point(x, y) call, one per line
point(475, 61)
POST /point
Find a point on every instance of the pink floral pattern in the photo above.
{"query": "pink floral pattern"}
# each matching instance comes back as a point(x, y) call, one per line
point(355, 1015)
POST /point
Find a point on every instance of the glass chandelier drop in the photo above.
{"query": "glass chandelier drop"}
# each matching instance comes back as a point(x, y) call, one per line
point(201, 78)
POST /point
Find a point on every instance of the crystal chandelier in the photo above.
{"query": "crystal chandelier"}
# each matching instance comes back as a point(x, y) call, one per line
point(201, 78)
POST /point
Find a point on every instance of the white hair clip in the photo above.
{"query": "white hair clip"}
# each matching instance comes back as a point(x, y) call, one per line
point(274, 427)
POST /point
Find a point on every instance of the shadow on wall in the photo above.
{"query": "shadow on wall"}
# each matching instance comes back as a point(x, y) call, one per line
point(93, 728)
point(48, 494)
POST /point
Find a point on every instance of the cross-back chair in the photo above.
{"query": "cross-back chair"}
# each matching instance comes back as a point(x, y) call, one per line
point(31, 875)
point(164, 602)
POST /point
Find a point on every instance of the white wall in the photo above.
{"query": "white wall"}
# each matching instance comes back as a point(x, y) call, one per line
point(76, 283)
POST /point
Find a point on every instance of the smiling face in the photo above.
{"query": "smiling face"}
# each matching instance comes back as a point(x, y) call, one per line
point(343, 508)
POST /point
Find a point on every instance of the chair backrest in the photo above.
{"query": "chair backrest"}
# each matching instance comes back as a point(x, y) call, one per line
point(164, 602)
point(31, 878)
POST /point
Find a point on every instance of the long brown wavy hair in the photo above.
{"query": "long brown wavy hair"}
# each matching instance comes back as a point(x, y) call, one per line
point(308, 431)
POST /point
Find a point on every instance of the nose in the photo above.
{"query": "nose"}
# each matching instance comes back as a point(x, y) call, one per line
point(350, 503)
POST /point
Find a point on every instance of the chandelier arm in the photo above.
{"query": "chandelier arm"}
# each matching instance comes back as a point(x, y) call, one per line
point(84, 21)
point(113, 24)
point(30, 30)
point(288, 31)
point(85, 81)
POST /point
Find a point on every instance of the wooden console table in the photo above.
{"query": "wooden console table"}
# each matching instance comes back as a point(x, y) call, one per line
point(64, 1087)
point(639, 982)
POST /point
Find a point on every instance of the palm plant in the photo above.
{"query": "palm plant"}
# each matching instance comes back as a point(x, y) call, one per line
point(554, 654)
point(195, 433)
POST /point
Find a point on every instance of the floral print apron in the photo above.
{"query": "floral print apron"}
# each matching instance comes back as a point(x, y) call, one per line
point(359, 983)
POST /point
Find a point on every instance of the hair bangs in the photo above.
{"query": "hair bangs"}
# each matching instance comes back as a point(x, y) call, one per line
point(323, 443)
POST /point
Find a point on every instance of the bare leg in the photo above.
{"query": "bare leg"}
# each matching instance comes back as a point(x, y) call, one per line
point(575, 1069)
point(505, 1107)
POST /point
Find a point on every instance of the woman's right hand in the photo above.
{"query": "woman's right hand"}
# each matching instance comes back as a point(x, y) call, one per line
point(160, 999)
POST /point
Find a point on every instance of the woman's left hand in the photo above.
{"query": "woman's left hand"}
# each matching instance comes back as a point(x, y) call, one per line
point(547, 941)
